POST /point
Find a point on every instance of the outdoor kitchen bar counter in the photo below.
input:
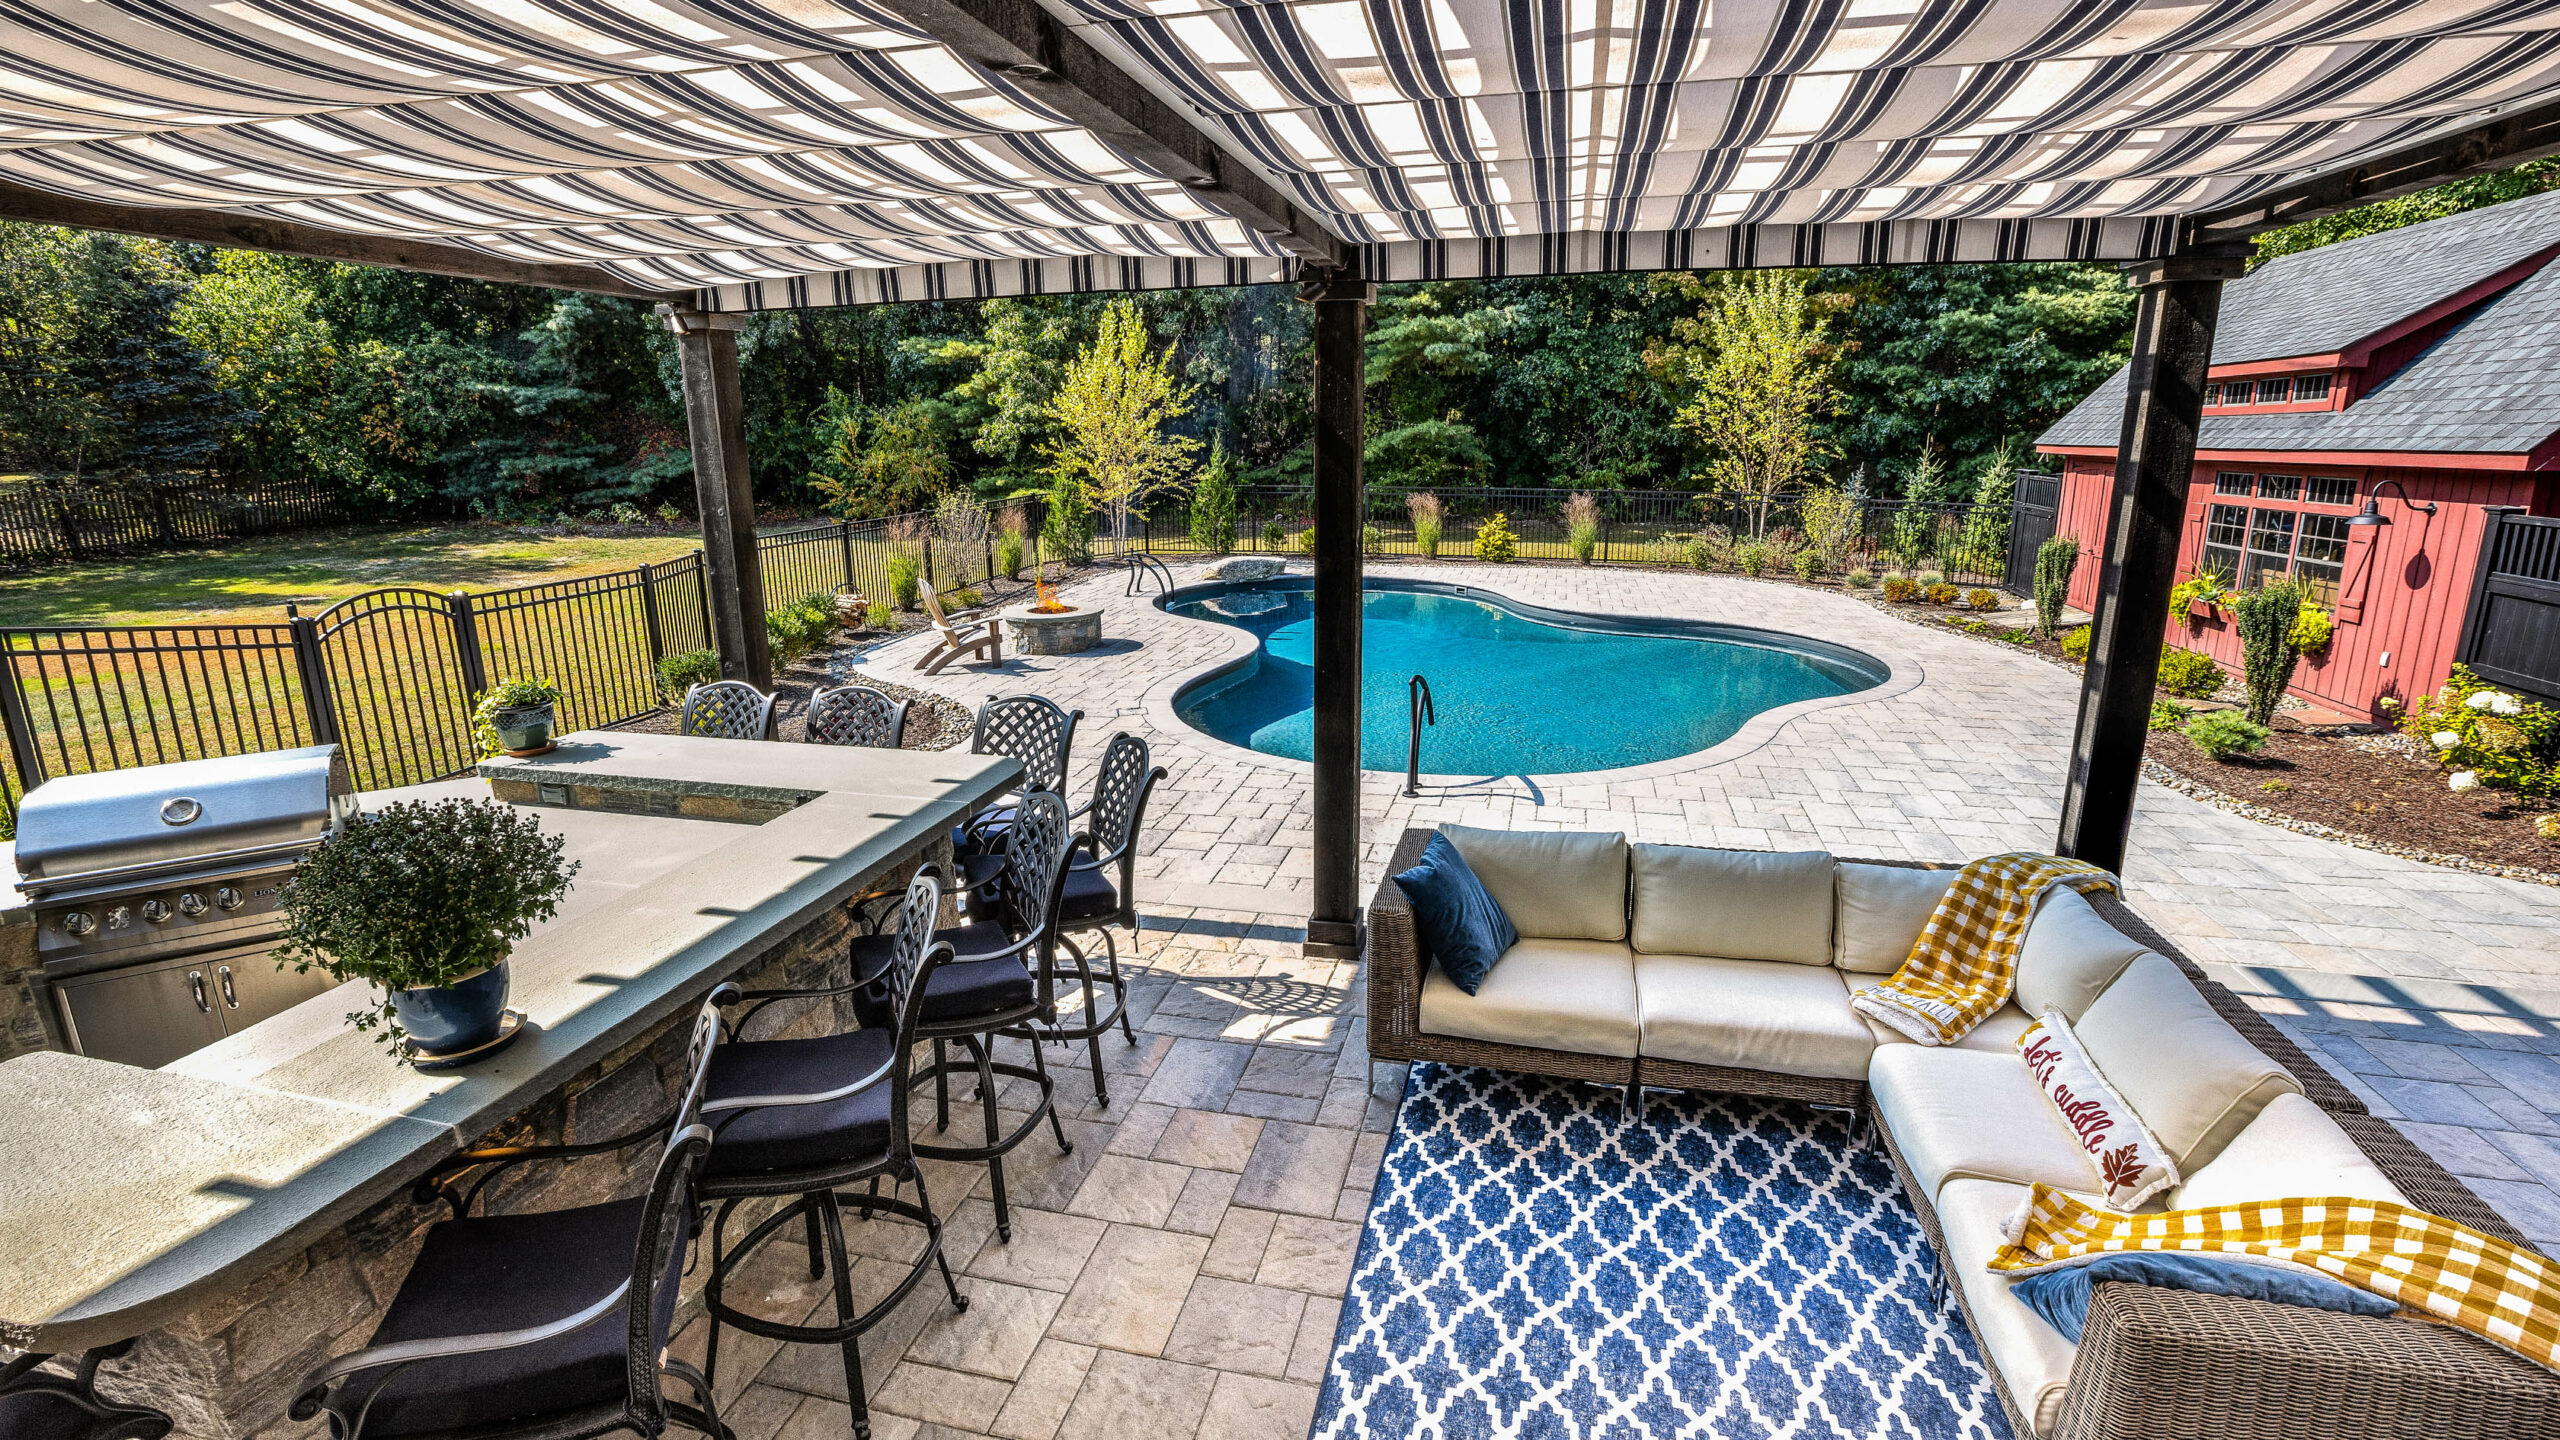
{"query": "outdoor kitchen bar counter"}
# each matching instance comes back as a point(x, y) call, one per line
point(132, 1200)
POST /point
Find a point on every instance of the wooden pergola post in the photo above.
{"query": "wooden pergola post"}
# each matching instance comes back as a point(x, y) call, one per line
point(1341, 321)
point(715, 415)
point(2164, 405)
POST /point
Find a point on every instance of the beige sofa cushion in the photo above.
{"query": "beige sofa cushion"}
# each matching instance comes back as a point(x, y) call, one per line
point(1973, 1115)
point(1997, 1034)
point(2191, 1077)
point(2033, 1359)
point(1740, 904)
point(1554, 884)
point(1577, 995)
point(2069, 956)
point(2292, 1148)
point(1751, 1015)
point(1879, 912)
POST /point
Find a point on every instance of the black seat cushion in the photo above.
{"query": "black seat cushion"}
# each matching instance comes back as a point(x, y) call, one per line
point(512, 1272)
point(1089, 896)
point(959, 989)
point(49, 1414)
point(852, 1130)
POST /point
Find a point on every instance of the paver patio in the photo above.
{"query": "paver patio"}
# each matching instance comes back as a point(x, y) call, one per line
point(1180, 1272)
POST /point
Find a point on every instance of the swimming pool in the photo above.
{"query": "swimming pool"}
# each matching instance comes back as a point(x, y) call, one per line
point(1519, 690)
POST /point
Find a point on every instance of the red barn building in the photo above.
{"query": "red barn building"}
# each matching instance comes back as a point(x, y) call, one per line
point(2419, 367)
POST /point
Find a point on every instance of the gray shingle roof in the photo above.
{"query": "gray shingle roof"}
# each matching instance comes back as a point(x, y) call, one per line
point(2490, 387)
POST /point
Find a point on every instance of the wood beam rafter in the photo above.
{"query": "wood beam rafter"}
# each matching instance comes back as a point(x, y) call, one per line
point(312, 242)
point(2471, 145)
point(1044, 55)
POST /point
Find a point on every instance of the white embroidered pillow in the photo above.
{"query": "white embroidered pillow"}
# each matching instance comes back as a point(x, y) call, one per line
point(2129, 1163)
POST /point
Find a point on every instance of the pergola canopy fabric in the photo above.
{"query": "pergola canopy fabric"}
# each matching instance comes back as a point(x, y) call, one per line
point(792, 152)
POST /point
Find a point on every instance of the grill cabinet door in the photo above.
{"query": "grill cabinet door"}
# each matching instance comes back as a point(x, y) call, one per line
point(249, 988)
point(145, 1015)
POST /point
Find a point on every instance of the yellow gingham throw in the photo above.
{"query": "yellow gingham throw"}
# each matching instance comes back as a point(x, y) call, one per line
point(2506, 1295)
point(1962, 965)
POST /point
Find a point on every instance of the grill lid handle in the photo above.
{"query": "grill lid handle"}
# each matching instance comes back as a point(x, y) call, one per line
point(180, 810)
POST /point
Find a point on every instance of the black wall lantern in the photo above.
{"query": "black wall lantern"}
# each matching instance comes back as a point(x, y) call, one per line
point(2372, 514)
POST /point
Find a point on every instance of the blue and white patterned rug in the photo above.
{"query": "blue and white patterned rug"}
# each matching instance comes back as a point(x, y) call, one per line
point(1535, 1265)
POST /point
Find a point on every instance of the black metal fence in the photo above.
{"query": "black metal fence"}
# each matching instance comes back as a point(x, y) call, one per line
point(47, 523)
point(2511, 634)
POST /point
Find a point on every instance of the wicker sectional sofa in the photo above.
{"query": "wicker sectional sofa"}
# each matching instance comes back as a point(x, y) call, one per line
point(1730, 970)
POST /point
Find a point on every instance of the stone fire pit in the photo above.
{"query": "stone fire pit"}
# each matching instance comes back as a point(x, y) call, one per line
point(1064, 633)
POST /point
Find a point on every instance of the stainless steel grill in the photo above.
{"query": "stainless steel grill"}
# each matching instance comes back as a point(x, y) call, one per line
point(155, 894)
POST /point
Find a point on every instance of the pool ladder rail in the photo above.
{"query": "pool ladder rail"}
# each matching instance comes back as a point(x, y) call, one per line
point(1143, 567)
point(1419, 713)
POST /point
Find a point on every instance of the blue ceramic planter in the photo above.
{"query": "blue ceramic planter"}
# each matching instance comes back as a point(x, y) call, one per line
point(450, 1018)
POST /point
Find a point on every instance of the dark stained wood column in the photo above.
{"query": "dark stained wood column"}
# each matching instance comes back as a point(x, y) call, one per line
point(2164, 404)
point(1342, 316)
point(716, 421)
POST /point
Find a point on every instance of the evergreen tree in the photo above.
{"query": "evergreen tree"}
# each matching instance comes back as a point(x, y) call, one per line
point(175, 416)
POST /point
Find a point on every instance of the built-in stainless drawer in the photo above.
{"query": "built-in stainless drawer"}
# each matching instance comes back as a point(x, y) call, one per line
point(151, 1014)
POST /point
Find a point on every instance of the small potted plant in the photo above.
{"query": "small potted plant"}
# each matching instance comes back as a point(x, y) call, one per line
point(517, 716)
point(424, 902)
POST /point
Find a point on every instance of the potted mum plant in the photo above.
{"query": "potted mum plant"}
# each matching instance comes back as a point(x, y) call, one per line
point(424, 902)
point(516, 715)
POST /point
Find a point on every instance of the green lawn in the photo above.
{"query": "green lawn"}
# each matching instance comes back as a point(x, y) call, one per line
point(252, 580)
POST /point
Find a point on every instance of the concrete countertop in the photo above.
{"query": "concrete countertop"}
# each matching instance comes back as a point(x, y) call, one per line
point(129, 1195)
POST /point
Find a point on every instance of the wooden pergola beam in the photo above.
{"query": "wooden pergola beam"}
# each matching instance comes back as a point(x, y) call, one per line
point(312, 242)
point(2472, 145)
point(1051, 63)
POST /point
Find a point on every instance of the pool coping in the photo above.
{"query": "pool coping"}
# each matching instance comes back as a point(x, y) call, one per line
point(1903, 675)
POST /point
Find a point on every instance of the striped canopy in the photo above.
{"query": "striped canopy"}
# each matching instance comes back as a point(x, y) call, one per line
point(791, 152)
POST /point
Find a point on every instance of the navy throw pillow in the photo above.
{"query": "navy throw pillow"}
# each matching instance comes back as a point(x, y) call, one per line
point(2062, 1296)
point(1460, 926)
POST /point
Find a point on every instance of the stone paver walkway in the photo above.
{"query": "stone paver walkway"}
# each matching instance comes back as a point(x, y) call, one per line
point(1180, 1272)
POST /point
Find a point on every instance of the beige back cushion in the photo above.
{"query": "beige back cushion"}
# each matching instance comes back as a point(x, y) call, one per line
point(2070, 956)
point(1880, 911)
point(1555, 885)
point(1733, 904)
point(2191, 1077)
point(2292, 1148)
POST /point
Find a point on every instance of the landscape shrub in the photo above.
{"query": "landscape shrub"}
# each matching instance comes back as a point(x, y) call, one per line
point(903, 572)
point(1424, 507)
point(1930, 578)
point(2264, 618)
point(2075, 644)
point(1941, 593)
point(1980, 599)
point(1859, 579)
point(685, 669)
point(1700, 552)
point(879, 616)
point(1582, 526)
point(1898, 589)
point(2223, 734)
point(1067, 529)
point(1494, 541)
point(2312, 630)
point(1213, 503)
point(2019, 635)
point(2185, 672)
point(1751, 558)
point(1808, 565)
point(2056, 558)
point(1012, 526)
point(2165, 716)
point(1372, 540)
point(1831, 519)
point(2487, 736)
point(967, 598)
point(1305, 541)
point(2547, 826)
point(1275, 533)
point(794, 630)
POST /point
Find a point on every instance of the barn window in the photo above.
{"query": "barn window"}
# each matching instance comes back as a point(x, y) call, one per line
point(2275, 392)
point(2332, 490)
point(2279, 487)
point(2311, 387)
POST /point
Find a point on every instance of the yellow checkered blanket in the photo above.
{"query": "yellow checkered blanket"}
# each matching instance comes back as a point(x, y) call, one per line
point(2506, 1295)
point(1961, 967)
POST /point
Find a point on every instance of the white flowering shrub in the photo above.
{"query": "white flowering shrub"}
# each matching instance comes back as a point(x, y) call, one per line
point(2487, 736)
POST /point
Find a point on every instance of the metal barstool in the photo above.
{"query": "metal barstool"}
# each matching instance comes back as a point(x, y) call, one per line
point(549, 1326)
point(855, 715)
point(1032, 729)
point(41, 1404)
point(806, 1117)
point(1092, 901)
point(727, 710)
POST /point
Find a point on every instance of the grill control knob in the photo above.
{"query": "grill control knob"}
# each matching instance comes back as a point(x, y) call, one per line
point(228, 898)
point(191, 904)
point(79, 922)
point(119, 918)
point(155, 910)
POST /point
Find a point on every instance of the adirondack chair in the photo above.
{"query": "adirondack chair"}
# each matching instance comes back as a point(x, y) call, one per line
point(954, 641)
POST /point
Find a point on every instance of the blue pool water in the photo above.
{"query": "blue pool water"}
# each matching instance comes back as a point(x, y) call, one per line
point(1518, 691)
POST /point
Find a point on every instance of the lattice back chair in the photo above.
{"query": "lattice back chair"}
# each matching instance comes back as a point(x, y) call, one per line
point(806, 1117)
point(1034, 730)
point(855, 715)
point(1000, 982)
point(41, 1404)
point(545, 1326)
point(727, 710)
point(1101, 892)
